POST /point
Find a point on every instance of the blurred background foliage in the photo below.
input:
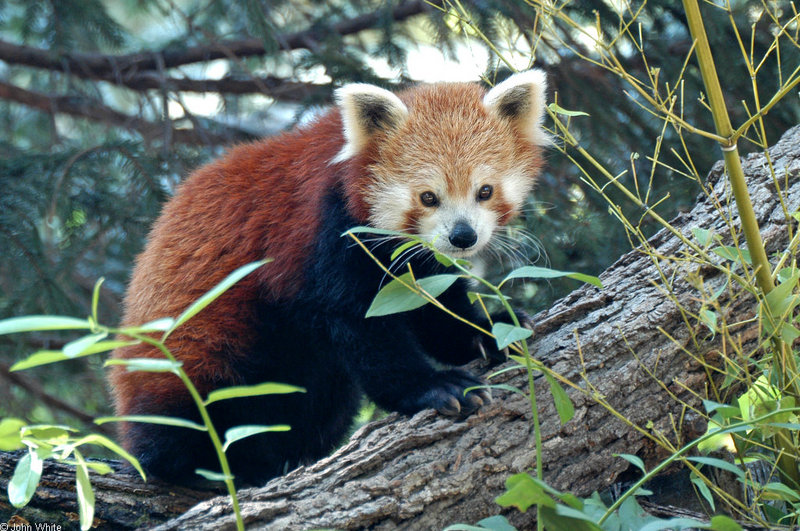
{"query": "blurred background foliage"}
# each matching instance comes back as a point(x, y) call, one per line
point(106, 105)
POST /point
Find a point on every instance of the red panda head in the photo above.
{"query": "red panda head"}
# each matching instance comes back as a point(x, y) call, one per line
point(450, 162)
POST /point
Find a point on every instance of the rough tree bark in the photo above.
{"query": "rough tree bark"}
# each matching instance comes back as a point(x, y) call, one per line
point(427, 471)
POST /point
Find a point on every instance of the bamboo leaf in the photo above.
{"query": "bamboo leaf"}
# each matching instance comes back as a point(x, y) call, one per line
point(397, 297)
point(506, 334)
point(214, 293)
point(266, 388)
point(34, 323)
point(85, 493)
point(238, 433)
point(564, 406)
point(543, 272)
point(25, 479)
point(44, 357)
point(146, 364)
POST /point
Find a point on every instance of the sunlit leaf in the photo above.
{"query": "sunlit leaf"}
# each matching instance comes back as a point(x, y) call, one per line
point(77, 347)
point(146, 364)
point(153, 419)
point(238, 433)
point(10, 437)
point(212, 476)
point(564, 112)
point(25, 479)
point(34, 323)
point(215, 292)
point(266, 388)
point(44, 357)
point(85, 494)
point(543, 272)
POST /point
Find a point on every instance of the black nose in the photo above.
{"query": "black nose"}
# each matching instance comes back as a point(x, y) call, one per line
point(462, 235)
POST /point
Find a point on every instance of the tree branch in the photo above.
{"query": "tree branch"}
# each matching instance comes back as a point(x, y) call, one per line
point(38, 392)
point(133, 70)
point(93, 110)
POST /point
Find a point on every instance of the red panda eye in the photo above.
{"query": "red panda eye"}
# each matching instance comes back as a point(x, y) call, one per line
point(429, 199)
point(485, 192)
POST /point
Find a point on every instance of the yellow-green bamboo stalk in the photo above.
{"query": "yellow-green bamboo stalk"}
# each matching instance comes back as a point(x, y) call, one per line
point(752, 233)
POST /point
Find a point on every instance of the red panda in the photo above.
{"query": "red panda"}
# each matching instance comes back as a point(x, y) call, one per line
point(450, 162)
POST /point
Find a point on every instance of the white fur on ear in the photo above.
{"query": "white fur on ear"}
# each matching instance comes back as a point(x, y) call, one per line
point(521, 99)
point(365, 110)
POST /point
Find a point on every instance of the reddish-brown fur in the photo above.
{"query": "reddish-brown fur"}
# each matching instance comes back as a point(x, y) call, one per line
point(250, 193)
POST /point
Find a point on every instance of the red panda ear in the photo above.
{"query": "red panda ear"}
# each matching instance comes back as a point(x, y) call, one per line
point(366, 109)
point(521, 99)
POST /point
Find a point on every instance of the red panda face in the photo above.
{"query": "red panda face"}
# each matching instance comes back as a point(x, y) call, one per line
point(447, 161)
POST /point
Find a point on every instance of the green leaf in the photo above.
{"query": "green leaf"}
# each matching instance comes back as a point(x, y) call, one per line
point(505, 334)
point(99, 468)
point(703, 236)
point(543, 272)
point(76, 348)
point(635, 460)
point(721, 522)
point(732, 253)
point(782, 300)
point(266, 388)
point(709, 318)
point(522, 492)
point(44, 357)
point(214, 293)
point(704, 491)
point(212, 476)
point(25, 479)
point(33, 323)
point(443, 259)
point(564, 112)
point(158, 325)
point(372, 230)
point(779, 491)
point(96, 297)
point(146, 364)
point(153, 419)
point(675, 523)
point(725, 410)
point(397, 252)
point(105, 442)
point(397, 297)
point(238, 433)
point(564, 406)
point(48, 432)
point(10, 436)
point(493, 523)
point(497, 523)
point(85, 493)
point(719, 463)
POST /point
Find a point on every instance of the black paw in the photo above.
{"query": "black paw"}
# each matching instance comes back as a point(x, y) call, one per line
point(445, 394)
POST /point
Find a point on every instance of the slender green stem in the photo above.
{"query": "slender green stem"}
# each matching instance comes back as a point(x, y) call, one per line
point(212, 432)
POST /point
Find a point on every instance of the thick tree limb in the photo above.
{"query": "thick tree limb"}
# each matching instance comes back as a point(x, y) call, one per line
point(118, 68)
point(628, 344)
point(93, 110)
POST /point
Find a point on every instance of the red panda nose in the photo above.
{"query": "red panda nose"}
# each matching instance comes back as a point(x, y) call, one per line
point(463, 236)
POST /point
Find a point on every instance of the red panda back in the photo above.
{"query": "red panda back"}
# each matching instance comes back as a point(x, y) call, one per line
point(261, 200)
